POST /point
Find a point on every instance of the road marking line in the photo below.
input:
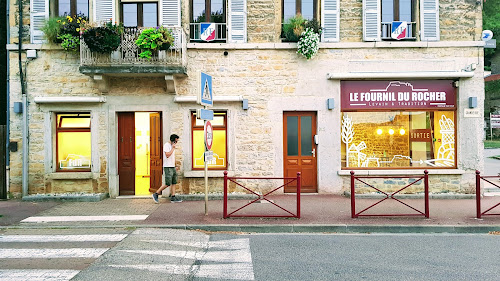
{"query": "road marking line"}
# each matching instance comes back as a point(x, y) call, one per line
point(238, 256)
point(85, 218)
point(37, 274)
point(51, 253)
point(63, 238)
point(232, 244)
point(238, 271)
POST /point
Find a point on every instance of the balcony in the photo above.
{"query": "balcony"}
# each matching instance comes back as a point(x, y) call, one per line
point(387, 31)
point(125, 61)
point(195, 34)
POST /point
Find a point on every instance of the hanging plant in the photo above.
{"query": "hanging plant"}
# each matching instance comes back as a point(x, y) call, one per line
point(308, 44)
point(102, 39)
point(153, 39)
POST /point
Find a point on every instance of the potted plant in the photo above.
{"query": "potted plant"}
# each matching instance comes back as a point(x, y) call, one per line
point(65, 31)
point(154, 39)
point(103, 39)
point(293, 28)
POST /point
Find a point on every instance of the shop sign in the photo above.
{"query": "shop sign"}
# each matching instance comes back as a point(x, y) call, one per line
point(418, 94)
point(495, 121)
point(421, 135)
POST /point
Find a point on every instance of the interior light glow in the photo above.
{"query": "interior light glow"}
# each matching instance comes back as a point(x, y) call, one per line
point(379, 131)
point(391, 131)
point(402, 131)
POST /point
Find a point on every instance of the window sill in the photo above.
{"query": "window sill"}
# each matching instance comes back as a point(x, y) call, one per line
point(70, 176)
point(401, 172)
point(211, 174)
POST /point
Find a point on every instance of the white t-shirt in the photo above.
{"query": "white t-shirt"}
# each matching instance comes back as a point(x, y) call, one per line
point(168, 161)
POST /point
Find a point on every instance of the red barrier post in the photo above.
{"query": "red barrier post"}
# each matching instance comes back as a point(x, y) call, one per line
point(298, 194)
point(426, 192)
point(225, 195)
point(478, 194)
point(353, 199)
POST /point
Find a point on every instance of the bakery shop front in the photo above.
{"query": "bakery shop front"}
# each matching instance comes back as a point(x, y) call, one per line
point(398, 125)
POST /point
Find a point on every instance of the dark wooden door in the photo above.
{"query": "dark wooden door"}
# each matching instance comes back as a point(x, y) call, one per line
point(156, 157)
point(299, 149)
point(126, 153)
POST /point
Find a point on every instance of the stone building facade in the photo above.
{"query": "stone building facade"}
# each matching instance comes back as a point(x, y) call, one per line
point(251, 65)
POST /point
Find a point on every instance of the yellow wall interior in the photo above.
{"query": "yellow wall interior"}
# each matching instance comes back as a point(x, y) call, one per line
point(142, 153)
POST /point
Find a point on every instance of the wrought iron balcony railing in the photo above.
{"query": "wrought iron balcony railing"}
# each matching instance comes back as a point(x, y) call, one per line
point(128, 52)
point(410, 34)
point(220, 32)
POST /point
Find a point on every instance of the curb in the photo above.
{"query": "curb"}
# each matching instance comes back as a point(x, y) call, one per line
point(96, 197)
point(297, 228)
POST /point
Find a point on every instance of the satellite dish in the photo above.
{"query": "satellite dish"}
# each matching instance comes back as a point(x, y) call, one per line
point(487, 35)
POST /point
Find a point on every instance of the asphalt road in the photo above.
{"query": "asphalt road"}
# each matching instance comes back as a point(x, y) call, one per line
point(169, 254)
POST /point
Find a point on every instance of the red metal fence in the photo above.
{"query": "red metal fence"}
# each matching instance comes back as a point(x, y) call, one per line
point(418, 178)
point(287, 181)
point(478, 195)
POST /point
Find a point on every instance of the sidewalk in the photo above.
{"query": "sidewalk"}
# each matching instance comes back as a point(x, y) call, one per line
point(319, 213)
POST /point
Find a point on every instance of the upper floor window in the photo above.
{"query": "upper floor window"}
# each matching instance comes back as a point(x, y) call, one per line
point(72, 7)
point(307, 8)
point(139, 14)
point(397, 20)
point(208, 20)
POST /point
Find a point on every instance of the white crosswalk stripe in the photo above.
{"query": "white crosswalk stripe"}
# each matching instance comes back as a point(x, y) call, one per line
point(16, 250)
point(85, 218)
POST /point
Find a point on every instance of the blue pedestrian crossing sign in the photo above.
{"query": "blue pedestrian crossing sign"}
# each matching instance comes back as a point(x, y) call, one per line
point(205, 96)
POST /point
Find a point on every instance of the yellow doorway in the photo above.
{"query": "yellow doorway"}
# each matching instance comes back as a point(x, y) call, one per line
point(142, 153)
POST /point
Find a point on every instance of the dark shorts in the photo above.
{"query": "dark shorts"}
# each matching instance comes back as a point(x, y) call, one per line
point(170, 175)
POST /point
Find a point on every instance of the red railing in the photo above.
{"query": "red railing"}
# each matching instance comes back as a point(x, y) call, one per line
point(478, 195)
point(418, 178)
point(261, 197)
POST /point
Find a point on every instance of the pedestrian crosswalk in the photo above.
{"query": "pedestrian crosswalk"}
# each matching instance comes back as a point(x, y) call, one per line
point(51, 257)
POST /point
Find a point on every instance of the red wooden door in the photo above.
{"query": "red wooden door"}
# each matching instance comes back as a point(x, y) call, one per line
point(299, 149)
point(156, 153)
point(126, 153)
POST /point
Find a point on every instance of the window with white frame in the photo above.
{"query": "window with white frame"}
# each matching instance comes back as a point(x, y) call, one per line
point(216, 21)
point(397, 20)
point(72, 7)
point(139, 14)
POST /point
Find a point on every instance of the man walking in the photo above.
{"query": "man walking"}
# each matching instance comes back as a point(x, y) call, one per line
point(169, 171)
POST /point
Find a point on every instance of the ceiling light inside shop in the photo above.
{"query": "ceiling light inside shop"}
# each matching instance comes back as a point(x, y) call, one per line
point(391, 131)
point(379, 131)
point(402, 131)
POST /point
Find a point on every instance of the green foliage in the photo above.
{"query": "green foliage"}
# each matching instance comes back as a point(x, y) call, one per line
point(293, 28)
point(314, 25)
point(102, 39)
point(491, 21)
point(70, 42)
point(71, 25)
point(492, 144)
point(153, 39)
point(52, 29)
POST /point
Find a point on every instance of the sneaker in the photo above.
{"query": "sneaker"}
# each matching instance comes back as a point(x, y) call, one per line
point(155, 198)
point(174, 199)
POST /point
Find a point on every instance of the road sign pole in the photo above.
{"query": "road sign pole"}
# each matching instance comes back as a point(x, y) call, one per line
point(491, 129)
point(206, 171)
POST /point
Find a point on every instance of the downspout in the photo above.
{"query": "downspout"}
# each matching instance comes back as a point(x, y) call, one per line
point(25, 103)
point(7, 141)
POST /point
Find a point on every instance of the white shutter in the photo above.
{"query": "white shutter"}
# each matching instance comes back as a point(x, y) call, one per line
point(371, 20)
point(237, 22)
point(39, 12)
point(170, 12)
point(429, 18)
point(104, 11)
point(330, 20)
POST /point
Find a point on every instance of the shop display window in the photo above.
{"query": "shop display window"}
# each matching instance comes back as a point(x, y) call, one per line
point(73, 142)
point(219, 147)
point(398, 139)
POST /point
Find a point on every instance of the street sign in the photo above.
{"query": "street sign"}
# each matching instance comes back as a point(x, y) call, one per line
point(209, 155)
point(486, 35)
point(205, 96)
point(495, 121)
point(490, 44)
point(209, 135)
point(204, 114)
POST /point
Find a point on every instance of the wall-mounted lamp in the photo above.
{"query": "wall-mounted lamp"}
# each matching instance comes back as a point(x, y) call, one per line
point(330, 103)
point(472, 102)
point(245, 104)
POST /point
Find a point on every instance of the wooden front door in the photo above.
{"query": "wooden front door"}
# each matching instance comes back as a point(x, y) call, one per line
point(156, 153)
point(299, 149)
point(126, 153)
